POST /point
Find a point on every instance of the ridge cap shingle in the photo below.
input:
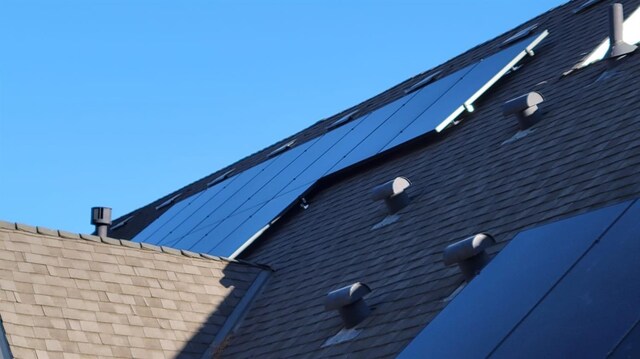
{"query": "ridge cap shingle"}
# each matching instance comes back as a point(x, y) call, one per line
point(61, 234)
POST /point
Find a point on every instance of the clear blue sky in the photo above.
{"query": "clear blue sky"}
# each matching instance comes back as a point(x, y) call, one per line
point(118, 103)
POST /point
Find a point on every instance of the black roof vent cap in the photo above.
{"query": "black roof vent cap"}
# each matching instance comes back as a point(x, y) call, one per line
point(221, 178)
point(617, 46)
point(350, 303)
point(393, 193)
point(424, 82)
point(519, 35)
point(469, 254)
point(585, 5)
point(344, 119)
point(169, 201)
point(281, 149)
point(101, 218)
point(525, 107)
point(121, 223)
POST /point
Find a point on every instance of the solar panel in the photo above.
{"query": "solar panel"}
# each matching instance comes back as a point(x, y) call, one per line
point(424, 82)
point(490, 307)
point(221, 219)
point(417, 104)
point(629, 345)
point(474, 82)
point(237, 193)
point(520, 35)
point(259, 185)
point(177, 213)
point(299, 165)
point(344, 119)
point(180, 219)
point(593, 306)
point(349, 155)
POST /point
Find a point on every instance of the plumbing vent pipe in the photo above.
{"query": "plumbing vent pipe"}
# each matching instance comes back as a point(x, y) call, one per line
point(101, 218)
point(617, 46)
point(393, 194)
point(349, 303)
point(525, 107)
point(469, 254)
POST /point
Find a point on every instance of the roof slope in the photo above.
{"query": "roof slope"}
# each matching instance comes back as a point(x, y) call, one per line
point(87, 297)
point(584, 154)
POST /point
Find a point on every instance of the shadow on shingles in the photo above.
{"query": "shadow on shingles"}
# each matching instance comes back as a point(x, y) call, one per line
point(198, 345)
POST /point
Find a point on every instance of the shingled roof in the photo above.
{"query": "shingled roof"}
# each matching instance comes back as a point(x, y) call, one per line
point(483, 174)
point(584, 154)
point(70, 295)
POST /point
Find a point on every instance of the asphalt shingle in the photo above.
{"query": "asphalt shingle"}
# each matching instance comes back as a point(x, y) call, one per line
point(101, 297)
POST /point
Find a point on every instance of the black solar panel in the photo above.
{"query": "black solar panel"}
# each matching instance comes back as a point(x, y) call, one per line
point(221, 219)
point(547, 291)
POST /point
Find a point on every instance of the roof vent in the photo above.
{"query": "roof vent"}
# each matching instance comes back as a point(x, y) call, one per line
point(169, 201)
point(519, 35)
point(525, 107)
point(424, 82)
point(469, 254)
point(344, 119)
point(349, 303)
point(281, 149)
point(585, 5)
point(616, 24)
point(220, 178)
point(101, 218)
point(121, 223)
point(393, 194)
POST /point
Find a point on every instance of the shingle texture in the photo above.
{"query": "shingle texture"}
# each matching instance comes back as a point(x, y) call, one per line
point(62, 296)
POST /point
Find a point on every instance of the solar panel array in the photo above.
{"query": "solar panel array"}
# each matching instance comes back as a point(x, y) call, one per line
point(567, 289)
point(229, 215)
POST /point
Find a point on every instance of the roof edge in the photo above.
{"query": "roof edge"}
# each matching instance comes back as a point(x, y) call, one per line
point(61, 234)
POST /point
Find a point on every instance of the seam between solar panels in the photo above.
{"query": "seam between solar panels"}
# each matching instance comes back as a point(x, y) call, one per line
point(222, 240)
point(429, 107)
point(172, 217)
point(413, 94)
point(626, 334)
point(281, 193)
point(255, 192)
point(184, 220)
point(613, 223)
point(177, 240)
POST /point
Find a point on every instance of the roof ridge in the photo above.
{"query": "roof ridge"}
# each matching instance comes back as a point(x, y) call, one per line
point(15, 226)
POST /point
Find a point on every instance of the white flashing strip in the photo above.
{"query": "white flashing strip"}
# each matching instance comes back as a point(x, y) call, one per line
point(449, 119)
point(469, 103)
point(630, 34)
point(252, 239)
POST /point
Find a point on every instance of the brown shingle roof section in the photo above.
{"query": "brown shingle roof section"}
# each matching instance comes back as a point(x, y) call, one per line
point(99, 297)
